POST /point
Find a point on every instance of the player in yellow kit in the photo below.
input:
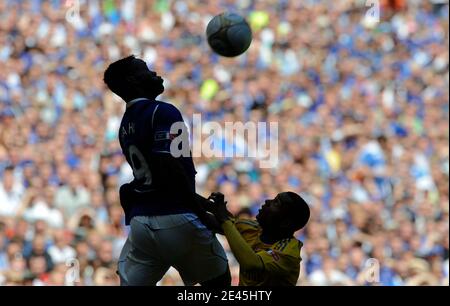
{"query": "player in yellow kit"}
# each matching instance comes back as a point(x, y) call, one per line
point(267, 252)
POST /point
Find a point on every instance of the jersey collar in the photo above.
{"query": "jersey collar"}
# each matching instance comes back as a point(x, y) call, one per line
point(134, 101)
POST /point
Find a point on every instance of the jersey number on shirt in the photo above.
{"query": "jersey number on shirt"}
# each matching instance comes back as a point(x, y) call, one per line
point(140, 167)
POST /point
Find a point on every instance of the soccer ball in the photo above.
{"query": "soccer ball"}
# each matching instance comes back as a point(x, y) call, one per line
point(229, 34)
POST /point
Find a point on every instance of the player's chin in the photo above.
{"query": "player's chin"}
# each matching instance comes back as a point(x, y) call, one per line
point(161, 85)
point(262, 218)
point(161, 89)
point(157, 90)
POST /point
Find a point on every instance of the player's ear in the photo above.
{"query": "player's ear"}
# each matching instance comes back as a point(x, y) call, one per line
point(286, 225)
point(130, 79)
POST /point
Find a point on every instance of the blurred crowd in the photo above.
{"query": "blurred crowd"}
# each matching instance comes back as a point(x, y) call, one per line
point(362, 107)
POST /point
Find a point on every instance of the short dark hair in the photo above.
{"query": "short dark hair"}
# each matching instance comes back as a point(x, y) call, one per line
point(9, 168)
point(297, 208)
point(115, 73)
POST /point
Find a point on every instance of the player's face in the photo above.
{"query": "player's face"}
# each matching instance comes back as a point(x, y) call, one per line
point(271, 213)
point(147, 81)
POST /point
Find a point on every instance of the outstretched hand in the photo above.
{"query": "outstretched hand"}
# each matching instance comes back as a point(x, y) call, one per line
point(219, 207)
point(206, 214)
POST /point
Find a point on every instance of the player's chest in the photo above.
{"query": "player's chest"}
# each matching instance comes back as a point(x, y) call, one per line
point(258, 245)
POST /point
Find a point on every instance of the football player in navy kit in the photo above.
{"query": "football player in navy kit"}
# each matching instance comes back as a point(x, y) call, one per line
point(167, 223)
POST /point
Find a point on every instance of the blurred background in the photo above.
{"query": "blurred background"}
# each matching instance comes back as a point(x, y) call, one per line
point(363, 121)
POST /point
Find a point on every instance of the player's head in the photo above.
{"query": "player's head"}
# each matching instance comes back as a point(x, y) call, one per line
point(285, 214)
point(130, 78)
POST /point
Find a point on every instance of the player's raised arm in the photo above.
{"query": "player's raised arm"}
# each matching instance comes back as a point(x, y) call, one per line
point(247, 258)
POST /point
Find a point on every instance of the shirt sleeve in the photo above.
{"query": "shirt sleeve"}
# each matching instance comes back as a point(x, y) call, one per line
point(167, 124)
point(243, 225)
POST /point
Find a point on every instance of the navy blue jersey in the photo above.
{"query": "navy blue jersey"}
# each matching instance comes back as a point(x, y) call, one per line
point(144, 134)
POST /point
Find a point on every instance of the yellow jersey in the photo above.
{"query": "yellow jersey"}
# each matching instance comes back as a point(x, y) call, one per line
point(281, 260)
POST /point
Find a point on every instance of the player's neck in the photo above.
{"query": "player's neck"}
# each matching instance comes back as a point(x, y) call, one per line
point(134, 101)
point(136, 97)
